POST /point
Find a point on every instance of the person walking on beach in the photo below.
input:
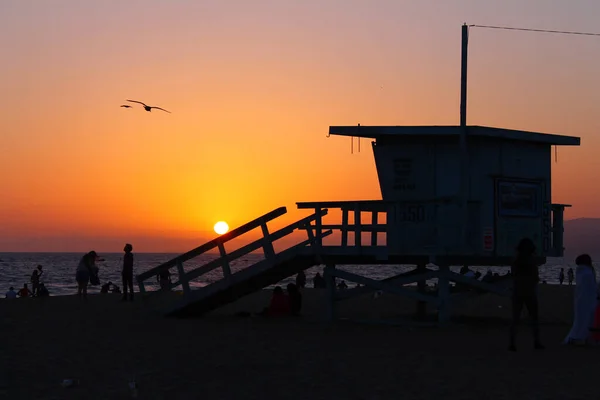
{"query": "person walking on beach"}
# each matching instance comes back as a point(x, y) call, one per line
point(35, 280)
point(84, 271)
point(127, 272)
point(586, 293)
point(561, 276)
point(570, 276)
point(525, 280)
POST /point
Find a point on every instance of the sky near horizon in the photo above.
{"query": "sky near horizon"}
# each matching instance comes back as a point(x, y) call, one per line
point(253, 88)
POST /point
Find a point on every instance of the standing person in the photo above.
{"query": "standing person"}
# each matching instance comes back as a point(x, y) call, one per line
point(84, 271)
point(127, 272)
point(586, 293)
point(35, 280)
point(301, 280)
point(561, 276)
point(570, 275)
point(164, 279)
point(525, 280)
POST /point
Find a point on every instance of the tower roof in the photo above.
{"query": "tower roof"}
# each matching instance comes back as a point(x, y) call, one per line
point(376, 132)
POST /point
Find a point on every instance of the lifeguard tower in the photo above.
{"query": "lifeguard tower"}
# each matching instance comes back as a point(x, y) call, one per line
point(451, 195)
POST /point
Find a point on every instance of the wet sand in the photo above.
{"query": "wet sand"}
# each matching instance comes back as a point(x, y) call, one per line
point(104, 343)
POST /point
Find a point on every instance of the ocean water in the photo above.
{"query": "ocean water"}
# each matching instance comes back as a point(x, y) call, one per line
point(59, 270)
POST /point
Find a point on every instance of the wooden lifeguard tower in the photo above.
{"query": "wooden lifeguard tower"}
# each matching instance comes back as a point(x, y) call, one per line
point(451, 195)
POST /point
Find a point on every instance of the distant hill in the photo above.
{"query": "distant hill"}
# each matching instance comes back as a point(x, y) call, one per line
point(582, 235)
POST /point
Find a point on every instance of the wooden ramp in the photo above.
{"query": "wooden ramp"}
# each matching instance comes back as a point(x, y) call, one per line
point(275, 267)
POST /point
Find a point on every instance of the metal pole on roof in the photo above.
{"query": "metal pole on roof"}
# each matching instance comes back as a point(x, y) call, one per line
point(464, 164)
point(463, 75)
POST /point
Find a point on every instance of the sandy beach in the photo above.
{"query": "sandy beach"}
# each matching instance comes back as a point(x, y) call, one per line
point(104, 343)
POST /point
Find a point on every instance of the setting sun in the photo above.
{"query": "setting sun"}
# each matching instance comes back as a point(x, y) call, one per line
point(221, 227)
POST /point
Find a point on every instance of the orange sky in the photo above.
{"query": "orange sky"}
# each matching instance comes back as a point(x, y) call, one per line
point(253, 87)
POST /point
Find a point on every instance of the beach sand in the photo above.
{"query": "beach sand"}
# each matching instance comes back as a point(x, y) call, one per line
point(105, 343)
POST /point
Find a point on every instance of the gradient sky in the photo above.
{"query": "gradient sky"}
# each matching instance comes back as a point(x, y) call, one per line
point(253, 86)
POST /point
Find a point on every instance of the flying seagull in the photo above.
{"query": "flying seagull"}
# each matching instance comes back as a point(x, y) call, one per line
point(148, 108)
point(125, 105)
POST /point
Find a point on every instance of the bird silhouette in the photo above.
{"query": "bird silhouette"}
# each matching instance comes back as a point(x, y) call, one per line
point(125, 105)
point(148, 108)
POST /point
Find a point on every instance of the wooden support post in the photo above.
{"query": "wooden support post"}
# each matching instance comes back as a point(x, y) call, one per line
point(318, 227)
point(267, 243)
point(185, 284)
point(357, 226)
point(421, 288)
point(374, 232)
point(344, 227)
point(444, 294)
point(329, 276)
point(225, 263)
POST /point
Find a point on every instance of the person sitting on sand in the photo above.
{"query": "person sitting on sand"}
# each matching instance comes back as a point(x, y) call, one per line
point(42, 291)
point(586, 293)
point(106, 287)
point(24, 292)
point(525, 280)
point(342, 285)
point(35, 280)
point(279, 305)
point(11, 294)
point(295, 299)
point(488, 277)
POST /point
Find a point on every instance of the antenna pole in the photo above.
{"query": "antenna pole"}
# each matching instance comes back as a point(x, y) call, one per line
point(464, 166)
point(463, 75)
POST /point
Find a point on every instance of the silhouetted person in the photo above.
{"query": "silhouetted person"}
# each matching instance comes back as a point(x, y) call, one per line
point(319, 282)
point(127, 272)
point(42, 291)
point(11, 294)
point(35, 280)
point(164, 279)
point(24, 292)
point(106, 287)
point(301, 280)
point(488, 277)
point(570, 275)
point(295, 299)
point(561, 276)
point(525, 280)
point(342, 285)
point(85, 269)
point(279, 305)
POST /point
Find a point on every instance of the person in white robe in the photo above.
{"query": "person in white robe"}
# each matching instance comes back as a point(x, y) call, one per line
point(586, 293)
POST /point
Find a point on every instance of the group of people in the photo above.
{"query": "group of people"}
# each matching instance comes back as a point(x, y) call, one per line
point(87, 274)
point(586, 321)
point(38, 289)
point(561, 276)
point(283, 304)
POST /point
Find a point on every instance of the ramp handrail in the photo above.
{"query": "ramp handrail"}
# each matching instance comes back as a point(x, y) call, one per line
point(217, 242)
point(265, 241)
